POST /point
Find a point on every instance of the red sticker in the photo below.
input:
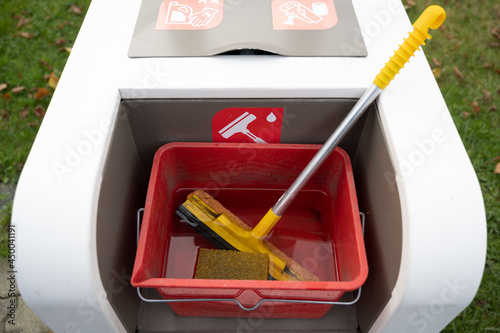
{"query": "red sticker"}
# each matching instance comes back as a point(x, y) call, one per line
point(303, 14)
point(190, 14)
point(242, 125)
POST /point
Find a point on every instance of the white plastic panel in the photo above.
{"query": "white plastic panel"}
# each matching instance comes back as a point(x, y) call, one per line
point(55, 206)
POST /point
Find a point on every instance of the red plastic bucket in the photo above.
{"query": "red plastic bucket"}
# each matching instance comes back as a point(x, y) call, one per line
point(321, 230)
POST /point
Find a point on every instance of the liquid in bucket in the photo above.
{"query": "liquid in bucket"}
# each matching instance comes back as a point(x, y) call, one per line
point(303, 233)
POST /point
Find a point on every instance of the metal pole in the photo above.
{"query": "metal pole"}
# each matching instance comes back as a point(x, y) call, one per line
point(363, 103)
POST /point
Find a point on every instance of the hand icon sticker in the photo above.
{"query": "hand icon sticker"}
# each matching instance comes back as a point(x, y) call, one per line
point(190, 14)
point(202, 18)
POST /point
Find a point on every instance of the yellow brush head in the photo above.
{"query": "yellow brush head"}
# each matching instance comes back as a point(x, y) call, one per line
point(227, 231)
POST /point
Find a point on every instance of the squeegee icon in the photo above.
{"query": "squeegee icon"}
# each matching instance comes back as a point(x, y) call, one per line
point(240, 125)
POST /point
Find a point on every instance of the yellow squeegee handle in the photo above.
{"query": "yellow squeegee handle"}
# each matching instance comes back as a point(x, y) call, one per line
point(263, 228)
point(432, 17)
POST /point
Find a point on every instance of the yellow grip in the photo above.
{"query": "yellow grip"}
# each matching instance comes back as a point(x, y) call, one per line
point(266, 224)
point(432, 17)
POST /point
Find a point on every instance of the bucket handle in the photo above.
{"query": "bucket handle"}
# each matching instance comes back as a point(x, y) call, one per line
point(162, 300)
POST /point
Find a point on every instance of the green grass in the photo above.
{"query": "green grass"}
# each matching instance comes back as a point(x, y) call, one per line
point(26, 62)
point(466, 43)
point(33, 38)
point(5, 213)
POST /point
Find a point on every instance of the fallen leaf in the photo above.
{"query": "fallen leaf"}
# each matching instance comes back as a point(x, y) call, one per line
point(59, 42)
point(494, 108)
point(458, 74)
point(67, 49)
point(75, 9)
point(496, 32)
point(41, 93)
point(6, 96)
point(436, 62)
point(24, 113)
point(497, 159)
point(487, 95)
point(17, 90)
point(32, 124)
point(62, 25)
point(23, 21)
point(39, 111)
point(4, 114)
point(3, 86)
point(476, 108)
point(493, 44)
point(410, 4)
point(497, 169)
point(53, 80)
point(24, 34)
point(465, 114)
point(437, 72)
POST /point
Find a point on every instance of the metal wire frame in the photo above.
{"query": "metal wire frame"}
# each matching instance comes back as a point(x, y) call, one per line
point(162, 300)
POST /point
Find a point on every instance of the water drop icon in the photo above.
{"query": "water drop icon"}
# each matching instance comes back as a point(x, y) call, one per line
point(271, 118)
